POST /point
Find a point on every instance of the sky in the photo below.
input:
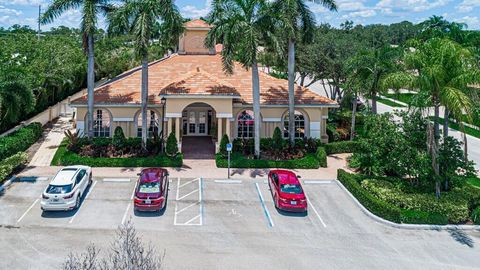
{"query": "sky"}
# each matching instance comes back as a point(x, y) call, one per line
point(25, 12)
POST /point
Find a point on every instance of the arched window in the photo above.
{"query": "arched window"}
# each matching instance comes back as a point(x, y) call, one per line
point(299, 125)
point(101, 123)
point(245, 124)
point(152, 123)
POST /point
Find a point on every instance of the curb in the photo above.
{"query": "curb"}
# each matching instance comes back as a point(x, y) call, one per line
point(406, 226)
point(7, 183)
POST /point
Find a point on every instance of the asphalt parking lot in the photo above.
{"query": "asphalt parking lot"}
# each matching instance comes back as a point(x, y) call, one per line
point(218, 223)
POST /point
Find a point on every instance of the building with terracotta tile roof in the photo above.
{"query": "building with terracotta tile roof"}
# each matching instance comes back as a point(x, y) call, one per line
point(200, 99)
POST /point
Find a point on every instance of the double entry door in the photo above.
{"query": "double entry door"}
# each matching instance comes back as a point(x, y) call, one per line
point(197, 122)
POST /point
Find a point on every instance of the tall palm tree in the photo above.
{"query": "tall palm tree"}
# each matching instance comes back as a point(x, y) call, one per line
point(242, 26)
point(370, 67)
point(16, 97)
point(91, 10)
point(444, 71)
point(295, 21)
point(140, 18)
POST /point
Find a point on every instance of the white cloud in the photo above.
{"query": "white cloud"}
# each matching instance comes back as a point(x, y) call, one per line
point(468, 5)
point(190, 11)
point(471, 21)
point(23, 2)
point(362, 14)
point(410, 5)
point(9, 11)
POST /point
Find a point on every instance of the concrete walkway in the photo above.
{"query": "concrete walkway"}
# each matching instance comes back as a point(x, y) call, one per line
point(44, 155)
point(203, 168)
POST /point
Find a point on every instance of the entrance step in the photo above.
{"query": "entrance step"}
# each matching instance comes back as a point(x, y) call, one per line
point(198, 147)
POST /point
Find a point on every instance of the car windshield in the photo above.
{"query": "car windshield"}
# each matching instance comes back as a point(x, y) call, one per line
point(149, 187)
point(291, 188)
point(53, 189)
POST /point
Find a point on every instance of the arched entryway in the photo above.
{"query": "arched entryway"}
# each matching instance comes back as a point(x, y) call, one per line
point(198, 131)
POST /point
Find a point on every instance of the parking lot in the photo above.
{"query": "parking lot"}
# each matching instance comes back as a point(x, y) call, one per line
point(219, 223)
point(210, 204)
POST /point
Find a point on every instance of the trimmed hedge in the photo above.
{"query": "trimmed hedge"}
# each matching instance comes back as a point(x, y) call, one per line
point(421, 217)
point(321, 155)
point(63, 157)
point(342, 147)
point(8, 165)
point(19, 140)
point(239, 161)
point(452, 205)
point(374, 205)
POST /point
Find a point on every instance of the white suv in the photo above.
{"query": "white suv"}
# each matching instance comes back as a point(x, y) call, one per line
point(66, 189)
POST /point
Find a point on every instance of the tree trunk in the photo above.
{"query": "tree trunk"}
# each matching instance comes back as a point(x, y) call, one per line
point(354, 112)
point(436, 122)
point(144, 100)
point(302, 79)
point(465, 142)
point(374, 103)
point(256, 106)
point(433, 149)
point(291, 91)
point(90, 85)
point(445, 122)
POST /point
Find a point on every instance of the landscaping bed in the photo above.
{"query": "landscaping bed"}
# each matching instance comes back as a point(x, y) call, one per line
point(384, 199)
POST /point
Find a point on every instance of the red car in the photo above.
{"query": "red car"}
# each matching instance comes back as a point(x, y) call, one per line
point(152, 190)
point(287, 191)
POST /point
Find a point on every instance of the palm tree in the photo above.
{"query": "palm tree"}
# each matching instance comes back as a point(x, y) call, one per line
point(16, 98)
point(295, 20)
point(91, 10)
point(139, 18)
point(370, 67)
point(242, 26)
point(444, 71)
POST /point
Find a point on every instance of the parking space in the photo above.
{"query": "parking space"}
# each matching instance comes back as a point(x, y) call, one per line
point(215, 205)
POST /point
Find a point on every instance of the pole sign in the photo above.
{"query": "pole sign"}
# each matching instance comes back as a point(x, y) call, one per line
point(229, 150)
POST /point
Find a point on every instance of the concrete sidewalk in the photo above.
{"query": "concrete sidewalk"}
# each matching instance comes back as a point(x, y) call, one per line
point(205, 169)
point(44, 155)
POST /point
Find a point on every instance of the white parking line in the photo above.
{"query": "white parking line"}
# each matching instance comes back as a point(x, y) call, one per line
point(86, 197)
point(316, 213)
point(307, 182)
point(265, 209)
point(125, 180)
point(126, 213)
point(28, 210)
point(228, 181)
point(199, 203)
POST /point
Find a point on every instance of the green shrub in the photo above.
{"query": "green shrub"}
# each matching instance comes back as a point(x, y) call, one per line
point(118, 138)
point(8, 165)
point(277, 140)
point(321, 155)
point(373, 204)
point(172, 145)
point(476, 216)
point(223, 145)
point(422, 217)
point(341, 147)
point(452, 205)
point(19, 140)
point(237, 160)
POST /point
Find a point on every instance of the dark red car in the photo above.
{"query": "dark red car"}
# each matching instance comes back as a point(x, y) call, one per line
point(152, 190)
point(287, 191)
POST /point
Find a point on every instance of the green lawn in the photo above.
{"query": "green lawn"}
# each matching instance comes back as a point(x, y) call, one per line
point(470, 131)
point(390, 103)
point(403, 97)
point(474, 182)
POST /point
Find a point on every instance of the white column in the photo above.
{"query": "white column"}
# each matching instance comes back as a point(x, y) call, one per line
point(177, 132)
point(169, 126)
point(220, 133)
point(228, 131)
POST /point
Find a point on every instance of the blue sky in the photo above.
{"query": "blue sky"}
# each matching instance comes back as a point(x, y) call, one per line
point(360, 11)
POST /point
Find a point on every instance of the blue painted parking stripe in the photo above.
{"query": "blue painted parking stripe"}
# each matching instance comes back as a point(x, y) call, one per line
point(265, 210)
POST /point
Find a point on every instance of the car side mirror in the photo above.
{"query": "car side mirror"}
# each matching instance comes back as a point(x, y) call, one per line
point(138, 174)
point(298, 176)
point(167, 174)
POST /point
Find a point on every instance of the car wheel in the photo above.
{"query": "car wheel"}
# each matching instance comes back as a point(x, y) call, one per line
point(77, 202)
point(90, 181)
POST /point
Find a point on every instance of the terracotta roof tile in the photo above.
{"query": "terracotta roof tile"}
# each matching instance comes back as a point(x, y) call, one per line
point(197, 23)
point(200, 75)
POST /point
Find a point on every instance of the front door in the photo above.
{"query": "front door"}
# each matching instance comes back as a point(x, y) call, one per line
point(197, 123)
